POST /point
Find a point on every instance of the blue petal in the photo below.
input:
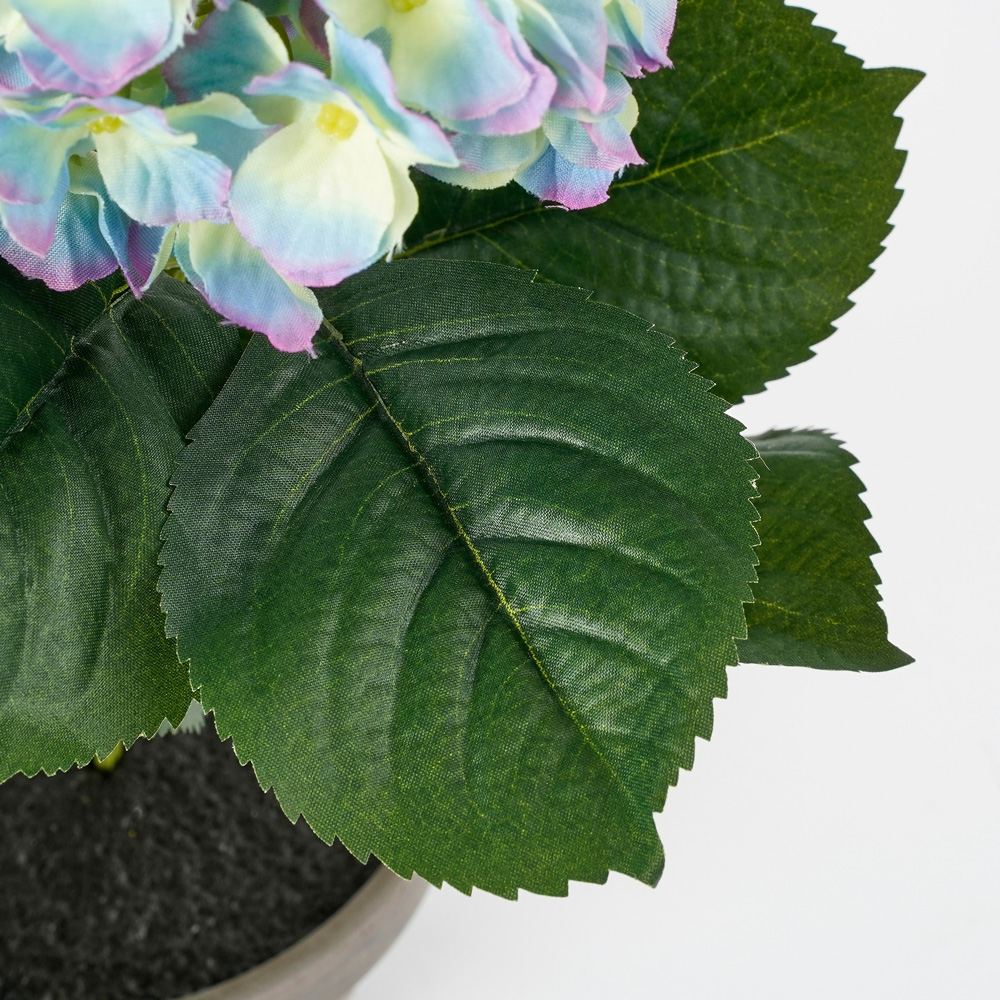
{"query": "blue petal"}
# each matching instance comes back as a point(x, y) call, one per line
point(489, 161)
point(603, 145)
point(14, 81)
point(34, 226)
point(225, 127)
point(240, 284)
point(64, 44)
point(526, 113)
point(639, 32)
point(298, 81)
point(468, 72)
point(572, 36)
point(79, 252)
point(136, 248)
point(229, 49)
point(554, 178)
point(32, 157)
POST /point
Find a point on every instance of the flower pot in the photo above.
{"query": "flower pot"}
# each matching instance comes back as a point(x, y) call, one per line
point(326, 964)
point(175, 876)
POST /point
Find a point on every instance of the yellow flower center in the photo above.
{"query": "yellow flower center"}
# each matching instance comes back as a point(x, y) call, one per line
point(109, 123)
point(336, 121)
point(402, 6)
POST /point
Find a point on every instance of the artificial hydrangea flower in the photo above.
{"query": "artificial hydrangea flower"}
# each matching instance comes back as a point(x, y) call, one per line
point(91, 238)
point(638, 34)
point(485, 79)
point(323, 197)
point(265, 146)
point(581, 141)
point(149, 161)
point(63, 45)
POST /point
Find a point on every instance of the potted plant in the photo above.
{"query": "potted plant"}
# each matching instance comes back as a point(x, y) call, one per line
point(455, 551)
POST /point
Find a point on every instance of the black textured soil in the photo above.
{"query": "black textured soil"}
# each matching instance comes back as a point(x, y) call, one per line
point(168, 875)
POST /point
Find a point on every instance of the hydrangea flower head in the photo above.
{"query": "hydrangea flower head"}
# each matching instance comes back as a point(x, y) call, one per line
point(265, 147)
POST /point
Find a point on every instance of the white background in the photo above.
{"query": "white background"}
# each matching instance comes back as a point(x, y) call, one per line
point(840, 835)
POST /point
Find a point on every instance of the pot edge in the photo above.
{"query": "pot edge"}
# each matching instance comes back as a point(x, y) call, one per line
point(329, 961)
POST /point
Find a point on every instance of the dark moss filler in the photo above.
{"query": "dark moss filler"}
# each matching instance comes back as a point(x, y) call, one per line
point(170, 874)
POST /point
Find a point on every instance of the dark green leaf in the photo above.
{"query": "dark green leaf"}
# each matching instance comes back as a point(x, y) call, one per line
point(37, 327)
point(770, 177)
point(463, 588)
point(816, 603)
point(95, 418)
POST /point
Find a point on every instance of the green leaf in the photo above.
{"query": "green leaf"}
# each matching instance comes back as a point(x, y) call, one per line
point(93, 421)
point(769, 179)
point(816, 602)
point(463, 588)
point(37, 326)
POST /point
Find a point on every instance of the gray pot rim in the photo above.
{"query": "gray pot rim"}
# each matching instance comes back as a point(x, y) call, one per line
point(328, 961)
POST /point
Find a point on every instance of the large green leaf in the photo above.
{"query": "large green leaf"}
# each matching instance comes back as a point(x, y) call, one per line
point(463, 588)
point(816, 602)
point(770, 177)
point(94, 418)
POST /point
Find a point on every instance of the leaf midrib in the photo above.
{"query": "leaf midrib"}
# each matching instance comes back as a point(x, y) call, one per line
point(431, 484)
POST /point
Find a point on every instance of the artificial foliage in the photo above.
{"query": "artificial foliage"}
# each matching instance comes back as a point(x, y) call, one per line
point(525, 527)
point(815, 602)
point(456, 548)
point(764, 197)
